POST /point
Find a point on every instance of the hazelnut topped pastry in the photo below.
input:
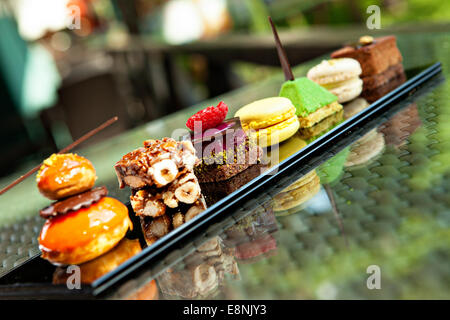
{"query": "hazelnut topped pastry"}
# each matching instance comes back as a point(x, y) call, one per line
point(165, 193)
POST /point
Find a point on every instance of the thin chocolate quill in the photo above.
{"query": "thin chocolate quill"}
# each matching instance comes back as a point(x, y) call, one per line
point(288, 75)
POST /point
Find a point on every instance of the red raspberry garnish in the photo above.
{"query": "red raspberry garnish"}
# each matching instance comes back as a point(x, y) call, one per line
point(210, 117)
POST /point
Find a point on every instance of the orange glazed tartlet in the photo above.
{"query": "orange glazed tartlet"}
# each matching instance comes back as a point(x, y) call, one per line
point(84, 234)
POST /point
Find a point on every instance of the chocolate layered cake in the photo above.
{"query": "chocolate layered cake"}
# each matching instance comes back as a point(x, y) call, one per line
point(374, 55)
point(372, 94)
point(225, 151)
point(381, 64)
point(215, 191)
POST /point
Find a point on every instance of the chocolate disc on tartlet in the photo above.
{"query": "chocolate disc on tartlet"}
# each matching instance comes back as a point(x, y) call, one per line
point(73, 203)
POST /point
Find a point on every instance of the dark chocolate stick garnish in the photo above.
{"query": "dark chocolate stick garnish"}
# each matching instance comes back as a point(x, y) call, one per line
point(69, 147)
point(288, 75)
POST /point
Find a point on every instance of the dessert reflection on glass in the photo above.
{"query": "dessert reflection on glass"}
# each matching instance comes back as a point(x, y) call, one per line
point(332, 169)
point(94, 269)
point(292, 198)
point(201, 274)
point(397, 129)
point(252, 238)
point(368, 146)
point(165, 190)
point(381, 64)
point(83, 223)
point(365, 149)
point(215, 191)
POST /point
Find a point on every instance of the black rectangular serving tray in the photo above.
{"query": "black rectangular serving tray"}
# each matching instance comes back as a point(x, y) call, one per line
point(33, 278)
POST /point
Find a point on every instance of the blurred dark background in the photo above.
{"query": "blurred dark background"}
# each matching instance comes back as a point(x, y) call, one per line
point(68, 65)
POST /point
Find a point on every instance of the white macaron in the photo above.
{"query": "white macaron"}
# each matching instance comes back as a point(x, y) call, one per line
point(339, 76)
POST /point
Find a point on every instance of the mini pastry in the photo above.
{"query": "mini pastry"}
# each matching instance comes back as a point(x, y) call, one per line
point(84, 234)
point(394, 80)
point(225, 150)
point(154, 203)
point(229, 159)
point(157, 164)
point(339, 76)
point(63, 175)
point(381, 63)
point(269, 121)
point(165, 193)
point(313, 103)
point(84, 224)
point(297, 193)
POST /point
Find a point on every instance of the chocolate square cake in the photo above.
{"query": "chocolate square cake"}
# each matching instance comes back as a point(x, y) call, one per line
point(374, 55)
point(215, 191)
point(381, 64)
point(224, 151)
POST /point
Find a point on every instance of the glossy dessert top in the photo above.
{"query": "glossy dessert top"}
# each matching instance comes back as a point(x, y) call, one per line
point(82, 200)
point(63, 175)
point(78, 228)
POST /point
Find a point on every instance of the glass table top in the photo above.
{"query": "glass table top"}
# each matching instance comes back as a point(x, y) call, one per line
point(375, 205)
point(381, 203)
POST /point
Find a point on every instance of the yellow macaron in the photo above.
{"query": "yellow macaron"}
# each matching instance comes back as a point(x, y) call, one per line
point(270, 121)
